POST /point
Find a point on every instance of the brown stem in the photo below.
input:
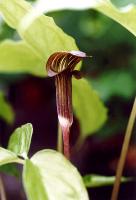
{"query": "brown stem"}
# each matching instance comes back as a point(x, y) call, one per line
point(66, 133)
point(64, 106)
point(124, 150)
point(59, 140)
point(64, 98)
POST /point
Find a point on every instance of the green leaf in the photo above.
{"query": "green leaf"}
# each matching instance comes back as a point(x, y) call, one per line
point(32, 178)
point(20, 140)
point(6, 111)
point(41, 33)
point(7, 156)
point(88, 108)
point(125, 15)
point(17, 57)
point(31, 27)
point(49, 175)
point(94, 180)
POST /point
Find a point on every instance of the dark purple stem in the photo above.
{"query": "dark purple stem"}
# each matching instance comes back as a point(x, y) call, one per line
point(66, 146)
point(64, 106)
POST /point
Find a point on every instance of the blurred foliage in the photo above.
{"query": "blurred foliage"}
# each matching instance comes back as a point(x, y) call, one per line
point(122, 3)
point(29, 55)
point(10, 169)
point(110, 84)
point(6, 111)
point(93, 180)
point(84, 99)
point(112, 68)
point(44, 27)
point(5, 30)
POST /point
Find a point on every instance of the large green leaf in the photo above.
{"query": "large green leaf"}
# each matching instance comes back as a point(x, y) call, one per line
point(20, 140)
point(94, 180)
point(6, 111)
point(125, 15)
point(88, 107)
point(41, 33)
point(17, 57)
point(7, 156)
point(33, 184)
point(48, 175)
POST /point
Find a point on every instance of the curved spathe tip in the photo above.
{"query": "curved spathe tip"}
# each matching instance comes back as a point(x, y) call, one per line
point(59, 62)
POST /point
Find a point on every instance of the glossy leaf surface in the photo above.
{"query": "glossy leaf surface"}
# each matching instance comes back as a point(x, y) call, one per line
point(48, 175)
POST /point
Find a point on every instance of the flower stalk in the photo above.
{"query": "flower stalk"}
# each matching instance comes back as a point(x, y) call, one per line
point(61, 65)
point(124, 151)
point(64, 107)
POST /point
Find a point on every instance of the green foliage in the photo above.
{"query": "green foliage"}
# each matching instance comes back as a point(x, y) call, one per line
point(40, 38)
point(21, 58)
point(5, 31)
point(6, 111)
point(39, 33)
point(31, 175)
point(88, 107)
point(94, 180)
point(121, 3)
point(115, 83)
point(7, 156)
point(10, 169)
point(121, 15)
point(47, 168)
point(56, 178)
point(20, 140)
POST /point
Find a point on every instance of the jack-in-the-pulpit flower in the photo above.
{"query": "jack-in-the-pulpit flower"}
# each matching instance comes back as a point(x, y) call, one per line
point(61, 65)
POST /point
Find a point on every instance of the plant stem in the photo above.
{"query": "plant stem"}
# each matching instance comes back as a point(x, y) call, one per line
point(66, 133)
point(124, 150)
point(59, 141)
point(2, 190)
point(64, 107)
